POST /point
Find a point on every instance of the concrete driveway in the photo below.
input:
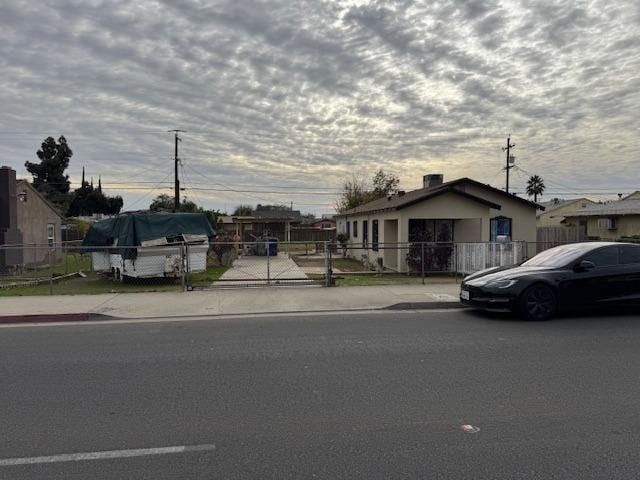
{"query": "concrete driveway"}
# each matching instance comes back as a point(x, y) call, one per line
point(255, 270)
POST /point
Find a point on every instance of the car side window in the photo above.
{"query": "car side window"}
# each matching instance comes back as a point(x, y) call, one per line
point(603, 257)
point(630, 254)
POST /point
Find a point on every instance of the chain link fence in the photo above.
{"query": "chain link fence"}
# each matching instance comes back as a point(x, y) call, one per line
point(70, 268)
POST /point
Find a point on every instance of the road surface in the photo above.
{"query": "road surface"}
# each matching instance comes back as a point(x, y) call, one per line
point(353, 395)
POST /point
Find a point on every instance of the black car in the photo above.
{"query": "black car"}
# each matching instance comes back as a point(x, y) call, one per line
point(567, 277)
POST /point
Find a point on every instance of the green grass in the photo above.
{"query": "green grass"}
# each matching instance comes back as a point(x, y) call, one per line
point(96, 283)
point(388, 279)
point(342, 264)
point(209, 276)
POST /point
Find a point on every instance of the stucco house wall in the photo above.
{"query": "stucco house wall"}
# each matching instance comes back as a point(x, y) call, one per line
point(35, 215)
point(522, 215)
point(555, 216)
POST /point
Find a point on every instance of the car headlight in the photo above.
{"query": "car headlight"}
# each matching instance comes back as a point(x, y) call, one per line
point(501, 283)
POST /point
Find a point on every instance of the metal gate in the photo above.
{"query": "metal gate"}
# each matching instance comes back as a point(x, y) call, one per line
point(262, 264)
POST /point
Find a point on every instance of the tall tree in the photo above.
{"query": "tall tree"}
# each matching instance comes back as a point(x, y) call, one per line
point(535, 187)
point(243, 211)
point(49, 176)
point(88, 200)
point(355, 192)
point(384, 184)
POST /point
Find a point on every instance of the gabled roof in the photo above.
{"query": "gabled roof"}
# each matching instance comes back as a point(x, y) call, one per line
point(25, 183)
point(552, 205)
point(633, 196)
point(621, 207)
point(398, 202)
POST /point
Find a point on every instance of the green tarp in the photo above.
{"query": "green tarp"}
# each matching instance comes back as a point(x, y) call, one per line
point(130, 229)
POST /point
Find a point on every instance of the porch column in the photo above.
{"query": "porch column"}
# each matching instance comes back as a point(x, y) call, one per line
point(403, 237)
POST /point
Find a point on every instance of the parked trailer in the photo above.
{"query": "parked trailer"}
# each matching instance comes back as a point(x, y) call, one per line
point(153, 261)
point(150, 245)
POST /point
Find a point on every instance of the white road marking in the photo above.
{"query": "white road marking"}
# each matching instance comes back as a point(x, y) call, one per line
point(105, 455)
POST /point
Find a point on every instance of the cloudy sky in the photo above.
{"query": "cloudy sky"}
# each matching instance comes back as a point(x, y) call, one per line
point(283, 100)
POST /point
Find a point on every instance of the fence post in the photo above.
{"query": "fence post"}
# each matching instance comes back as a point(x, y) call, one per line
point(51, 272)
point(327, 261)
point(183, 266)
point(422, 261)
point(268, 265)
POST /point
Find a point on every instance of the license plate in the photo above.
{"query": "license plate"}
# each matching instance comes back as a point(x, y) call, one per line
point(464, 294)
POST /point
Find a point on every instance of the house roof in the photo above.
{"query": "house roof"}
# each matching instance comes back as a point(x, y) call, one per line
point(24, 183)
point(633, 196)
point(552, 205)
point(622, 207)
point(398, 202)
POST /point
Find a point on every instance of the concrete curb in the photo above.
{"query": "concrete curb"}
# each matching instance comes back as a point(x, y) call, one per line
point(423, 306)
point(84, 317)
point(46, 318)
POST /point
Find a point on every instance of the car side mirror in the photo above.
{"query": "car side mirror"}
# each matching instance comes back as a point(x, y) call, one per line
point(584, 266)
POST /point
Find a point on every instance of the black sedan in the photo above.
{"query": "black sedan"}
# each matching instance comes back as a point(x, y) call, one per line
point(570, 276)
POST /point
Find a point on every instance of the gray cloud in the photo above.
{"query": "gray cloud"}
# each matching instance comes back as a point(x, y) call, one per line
point(306, 93)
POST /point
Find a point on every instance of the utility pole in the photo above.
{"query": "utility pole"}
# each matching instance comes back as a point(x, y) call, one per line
point(176, 195)
point(508, 162)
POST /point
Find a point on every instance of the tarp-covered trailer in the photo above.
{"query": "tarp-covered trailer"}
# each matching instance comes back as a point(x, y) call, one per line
point(148, 245)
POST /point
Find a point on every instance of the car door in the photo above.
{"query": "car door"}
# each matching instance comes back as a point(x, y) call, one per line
point(630, 265)
point(597, 285)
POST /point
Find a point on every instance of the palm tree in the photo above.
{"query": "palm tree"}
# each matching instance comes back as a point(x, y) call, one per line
point(535, 187)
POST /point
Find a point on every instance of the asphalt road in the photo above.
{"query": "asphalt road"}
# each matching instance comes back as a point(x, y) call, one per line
point(366, 395)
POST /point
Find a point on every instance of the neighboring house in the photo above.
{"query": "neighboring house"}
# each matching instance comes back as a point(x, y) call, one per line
point(556, 210)
point(609, 221)
point(265, 220)
point(634, 196)
point(28, 219)
point(462, 210)
point(323, 224)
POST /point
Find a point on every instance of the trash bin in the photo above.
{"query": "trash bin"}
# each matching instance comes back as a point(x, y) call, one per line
point(273, 246)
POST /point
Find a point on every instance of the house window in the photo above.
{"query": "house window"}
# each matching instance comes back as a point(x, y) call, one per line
point(51, 234)
point(355, 228)
point(426, 230)
point(374, 235)
point(348, 229)
point(500, 226)
point(365, 233)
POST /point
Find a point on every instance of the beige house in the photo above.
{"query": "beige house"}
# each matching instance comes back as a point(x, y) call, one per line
point(460, 211)
point(610, 221)
point(556, 210)
point(28, 220)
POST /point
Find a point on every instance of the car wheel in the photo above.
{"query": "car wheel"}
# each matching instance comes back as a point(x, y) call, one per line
point(538, 302)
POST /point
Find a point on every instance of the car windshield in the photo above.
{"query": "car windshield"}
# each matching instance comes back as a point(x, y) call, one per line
point(556, 257)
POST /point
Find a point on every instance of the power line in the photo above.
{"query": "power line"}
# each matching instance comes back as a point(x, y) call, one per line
point(149, 193)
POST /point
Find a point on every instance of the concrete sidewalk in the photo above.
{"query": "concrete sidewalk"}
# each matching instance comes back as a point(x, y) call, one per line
point(235, 301)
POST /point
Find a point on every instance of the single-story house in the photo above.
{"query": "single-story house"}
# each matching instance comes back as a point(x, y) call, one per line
point(556, 210)
point(462, 210)
point(27, 219)
point(609, 221)
point(321, 224)
point(265, 220)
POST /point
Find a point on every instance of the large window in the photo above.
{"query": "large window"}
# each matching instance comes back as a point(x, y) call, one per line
point(355, 228)
point(365, 233)
point(426, 230)
point(51, 234)
point(500, 227)
point(374, 235)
